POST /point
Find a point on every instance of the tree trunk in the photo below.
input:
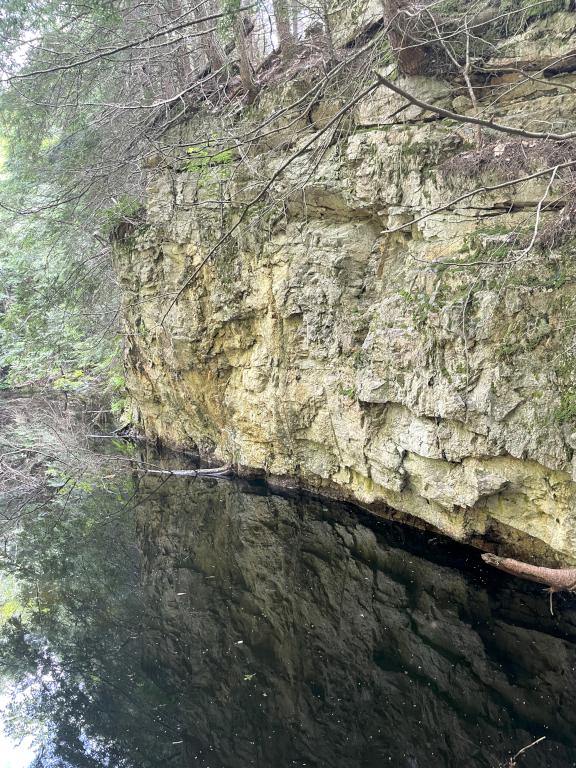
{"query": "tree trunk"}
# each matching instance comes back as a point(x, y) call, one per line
point(410, 53)
point(179, 70)
point(282, 19)
point(295, 19)
point(246, 70)
point(210, 45)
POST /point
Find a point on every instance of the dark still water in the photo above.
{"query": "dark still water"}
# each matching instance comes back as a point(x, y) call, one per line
point(213, 624)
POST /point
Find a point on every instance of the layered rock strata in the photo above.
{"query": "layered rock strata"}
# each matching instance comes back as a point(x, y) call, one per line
point(428, 369)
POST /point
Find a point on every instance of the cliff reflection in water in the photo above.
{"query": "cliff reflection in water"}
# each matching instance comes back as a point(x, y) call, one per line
point(213, 624)
point(297, 635)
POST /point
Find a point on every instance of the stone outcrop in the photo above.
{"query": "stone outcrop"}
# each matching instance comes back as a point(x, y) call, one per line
point(429, 369)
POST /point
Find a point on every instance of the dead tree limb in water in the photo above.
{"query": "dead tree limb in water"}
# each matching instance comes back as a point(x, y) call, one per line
point(204, 472)
point(556, 579)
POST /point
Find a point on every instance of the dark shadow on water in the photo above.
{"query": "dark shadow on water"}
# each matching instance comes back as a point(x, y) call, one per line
point(215, 624)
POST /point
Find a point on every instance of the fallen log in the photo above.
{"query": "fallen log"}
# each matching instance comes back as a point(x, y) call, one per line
point(204, 472)
point(556, 579)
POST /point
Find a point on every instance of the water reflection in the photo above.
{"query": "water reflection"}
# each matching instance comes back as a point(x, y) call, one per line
point(212, 624)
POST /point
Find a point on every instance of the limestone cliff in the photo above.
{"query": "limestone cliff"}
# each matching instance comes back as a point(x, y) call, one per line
point(429, 369)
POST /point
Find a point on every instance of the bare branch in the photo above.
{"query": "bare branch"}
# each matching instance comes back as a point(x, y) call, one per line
point(479, 190)
point(119, 49)
point(471, 119)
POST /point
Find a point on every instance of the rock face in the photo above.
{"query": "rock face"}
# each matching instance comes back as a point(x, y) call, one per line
point(429, 369)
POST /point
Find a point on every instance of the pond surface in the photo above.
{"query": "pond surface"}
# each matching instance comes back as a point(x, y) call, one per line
point(211, 623)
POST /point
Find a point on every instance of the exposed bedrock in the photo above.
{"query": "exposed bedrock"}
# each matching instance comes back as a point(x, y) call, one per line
point(431, 369)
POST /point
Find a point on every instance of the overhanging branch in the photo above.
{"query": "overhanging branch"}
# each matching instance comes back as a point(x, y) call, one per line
point(510, 129)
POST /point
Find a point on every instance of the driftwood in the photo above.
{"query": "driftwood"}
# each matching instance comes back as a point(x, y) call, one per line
point(204, 472)
point(556, 579)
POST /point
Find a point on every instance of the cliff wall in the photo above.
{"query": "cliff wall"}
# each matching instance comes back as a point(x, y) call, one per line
point(429, 369)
